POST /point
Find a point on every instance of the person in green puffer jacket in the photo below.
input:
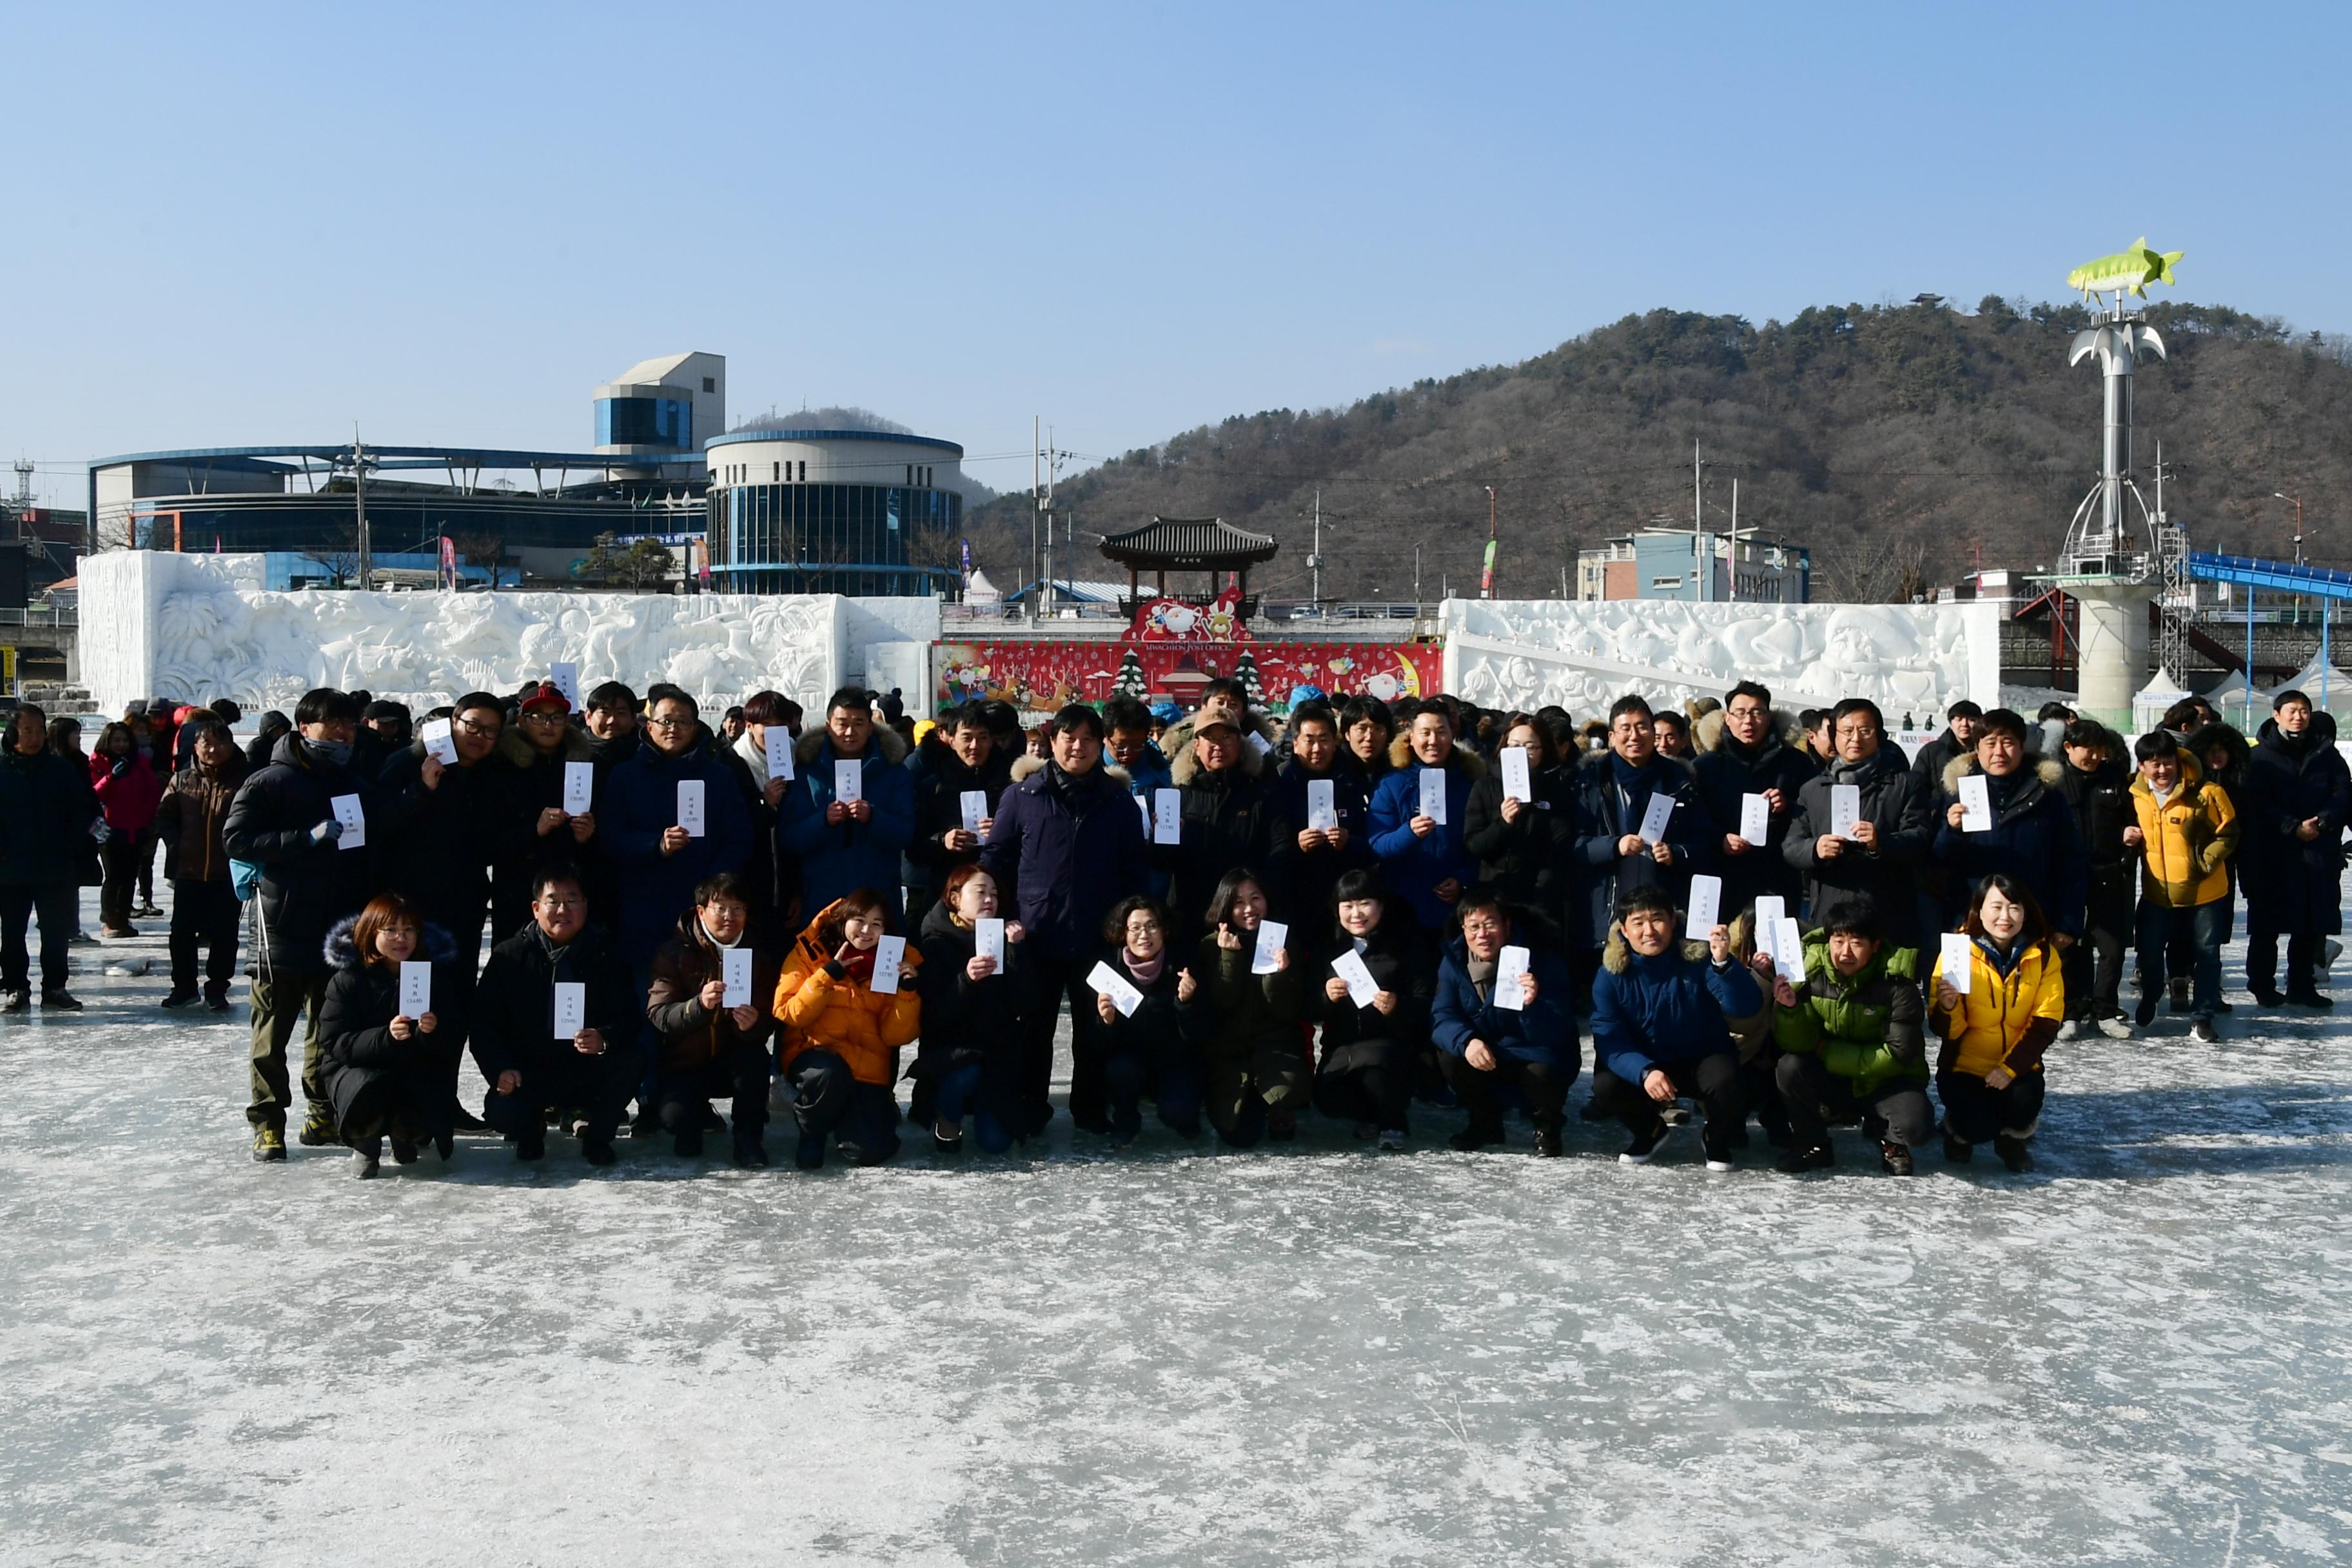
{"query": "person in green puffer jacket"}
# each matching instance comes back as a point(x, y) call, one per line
point(1853, 1039)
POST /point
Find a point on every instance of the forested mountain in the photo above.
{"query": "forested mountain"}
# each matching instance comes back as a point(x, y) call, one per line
point(1894, 440)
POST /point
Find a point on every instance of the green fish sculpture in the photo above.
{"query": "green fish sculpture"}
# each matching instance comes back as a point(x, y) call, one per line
point(2126, 271)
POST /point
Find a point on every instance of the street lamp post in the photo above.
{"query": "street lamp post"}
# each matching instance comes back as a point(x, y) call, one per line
point(2296, 502)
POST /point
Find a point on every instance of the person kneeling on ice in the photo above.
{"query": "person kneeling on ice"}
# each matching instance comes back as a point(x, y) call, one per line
point(1156, 1047)
point(1484, 1042)
point(1257, 1055)
point(542, 1046)
point(1989, 1073)
point(1662, 1015)
point(708, 1048)
point(1366, 1073)
point(1853, 1040)
point(384, 1071)
point(970, 1056)
point(842, 1035)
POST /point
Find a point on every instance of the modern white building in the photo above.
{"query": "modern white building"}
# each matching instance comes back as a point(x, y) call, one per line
point(663, 407)
point(799, 511)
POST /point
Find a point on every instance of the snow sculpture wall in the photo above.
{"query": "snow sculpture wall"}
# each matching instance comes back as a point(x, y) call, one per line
point(195, 627)
point(1582, 654)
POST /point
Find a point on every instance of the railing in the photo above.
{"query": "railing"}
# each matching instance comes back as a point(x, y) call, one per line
point(41, 615)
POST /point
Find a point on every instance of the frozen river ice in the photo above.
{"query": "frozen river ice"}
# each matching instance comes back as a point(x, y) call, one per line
point(1312, 1355)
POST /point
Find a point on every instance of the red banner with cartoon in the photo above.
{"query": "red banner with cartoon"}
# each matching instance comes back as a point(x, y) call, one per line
point(1039, 676)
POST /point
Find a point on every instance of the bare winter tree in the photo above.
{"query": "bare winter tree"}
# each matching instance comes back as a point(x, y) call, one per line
point(1879, 568)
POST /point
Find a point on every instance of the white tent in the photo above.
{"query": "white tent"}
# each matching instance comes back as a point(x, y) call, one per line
point(2149, 707)
point(2328, 686)
point(2231, 699)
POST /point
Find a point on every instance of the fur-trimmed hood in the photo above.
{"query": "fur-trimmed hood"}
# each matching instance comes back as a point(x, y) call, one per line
point(342, 948)
point(517, 752)
point(1025, 765)
point(1400, 757)
point(887, 746)
point(1176, 743)
point(2049, 770)
point(1711, 732)
point(1617, 954)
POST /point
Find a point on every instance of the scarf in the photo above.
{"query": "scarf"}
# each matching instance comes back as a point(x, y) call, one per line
point(712, 939)
point(1481, 974)
point(1144, 974)
point(858, 967)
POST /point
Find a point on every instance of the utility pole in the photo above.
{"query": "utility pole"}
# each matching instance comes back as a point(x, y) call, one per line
point(1734, 573)
point(1314, 558)
point(1698, 526)
point(1036, 509)
point(359, 511)
point(1487, 577)
point(1052, 463)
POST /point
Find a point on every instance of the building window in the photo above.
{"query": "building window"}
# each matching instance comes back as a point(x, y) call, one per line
point(779, 471)
point(709, 383)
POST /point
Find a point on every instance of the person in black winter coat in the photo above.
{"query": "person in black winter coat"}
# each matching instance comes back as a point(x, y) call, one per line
point(46, 809)
point(1526, 849)
point(1307, 862)
point(436, 829)
point(1228, 821)
point(1892, 834)
point(269, 729)
point(384, 1071)
point(283, 820)
point(532, 832)
point(958, 757)
point(1958, 740)
point(530, 1069)
point(1613, 789)
point(971, 1052)
point(2297, 798)
point(1748, 749)
point(2033, 838)
point(1155, 1050)
point(2097, 786)
point(1366, 1073)
point(708, 1049)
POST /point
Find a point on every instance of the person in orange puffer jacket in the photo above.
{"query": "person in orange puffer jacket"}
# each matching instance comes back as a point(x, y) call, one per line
point(842, 1035)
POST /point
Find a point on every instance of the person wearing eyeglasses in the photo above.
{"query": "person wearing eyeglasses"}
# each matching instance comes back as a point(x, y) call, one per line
point(436, 826)
point(535, 831)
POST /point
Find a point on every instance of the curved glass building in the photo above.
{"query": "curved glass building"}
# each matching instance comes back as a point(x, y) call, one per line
point(863, 512)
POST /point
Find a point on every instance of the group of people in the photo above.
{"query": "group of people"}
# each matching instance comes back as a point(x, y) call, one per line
point(1351, 910)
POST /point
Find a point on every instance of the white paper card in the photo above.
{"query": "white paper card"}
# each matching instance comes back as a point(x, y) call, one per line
point(571, 1008)
point(890, 960)
point(1957, 965)
point(1258, 744)
point(1108, 981)
point(579, 788)
point(1361, 987)
point(1976, 804)
point(1167, 816)
point(1655, 817)
point(1510, 965)
point(975, 808)
point(440, 744)
point(735, 973)
point(1789, 949)
point(1770, 908)
point(1518, 779)
point(1271, 935)
point(1706, 907)
point(1322, 804)
point(849, 782)
point(1845, 809)
point(347, 811)
point(415, 987)
point(988, 938)
point(689, 806)
point(1755, 820)
point(566, 678)
point(1433, 795)
point(780, 752)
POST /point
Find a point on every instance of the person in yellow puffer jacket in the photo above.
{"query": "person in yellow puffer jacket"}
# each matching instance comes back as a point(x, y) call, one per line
point(1989, 1073)
point(2187, 831)
point(842, 1036)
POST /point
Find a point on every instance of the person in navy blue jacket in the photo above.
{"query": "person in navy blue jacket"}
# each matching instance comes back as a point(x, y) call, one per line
point(2033, 836)
point(1613, 789)
point(1661, 1014)
point(1425, 860)
point(844, 846)
point(1066, 844)
point(1483, 1044)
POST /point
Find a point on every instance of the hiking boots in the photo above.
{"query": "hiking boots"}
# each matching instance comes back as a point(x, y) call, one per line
point(1547, 1143)
point(268, 1144)
point(318, 1127)
point(1895, 1159)
point(179, 998)
point(2013, 1152)
point(64, 1001)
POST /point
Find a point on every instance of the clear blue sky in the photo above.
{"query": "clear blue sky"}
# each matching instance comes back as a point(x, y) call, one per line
point(240, 225)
